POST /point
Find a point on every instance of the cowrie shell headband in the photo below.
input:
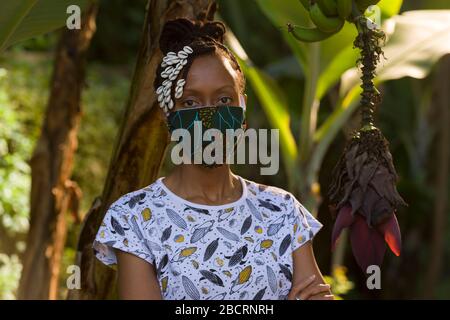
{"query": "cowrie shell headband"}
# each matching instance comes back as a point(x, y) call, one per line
point(173, 63)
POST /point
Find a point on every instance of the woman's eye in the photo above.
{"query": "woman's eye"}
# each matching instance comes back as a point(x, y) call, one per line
point(225, 100)
point(188, 103)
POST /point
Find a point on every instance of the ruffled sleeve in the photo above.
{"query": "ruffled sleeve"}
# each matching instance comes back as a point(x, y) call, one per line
point(305, 226)
point(122, 229)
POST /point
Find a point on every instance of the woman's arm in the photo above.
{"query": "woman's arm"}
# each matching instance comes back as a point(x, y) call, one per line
point(305, 266)
point(137, 278)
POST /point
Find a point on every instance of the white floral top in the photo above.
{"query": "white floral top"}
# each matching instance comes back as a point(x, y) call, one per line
point(241, 250)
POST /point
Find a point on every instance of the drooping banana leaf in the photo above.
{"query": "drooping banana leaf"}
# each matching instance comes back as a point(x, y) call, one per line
point(271, 98)
point(24, 19)
point(336, 53)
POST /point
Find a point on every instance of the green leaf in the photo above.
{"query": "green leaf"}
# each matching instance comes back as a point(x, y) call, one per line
point(271, 98)
point(24, 19)
point(419, 39)
point(342, 55)
point(389, 8)
point(275, 107)
point(336, 53)
point(343, 61)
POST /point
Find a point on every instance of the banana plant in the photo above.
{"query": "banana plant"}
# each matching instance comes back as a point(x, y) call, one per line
point(374, 196)
point(24, 19)
point(322, 63)
point(323, 70)
point(363, 194)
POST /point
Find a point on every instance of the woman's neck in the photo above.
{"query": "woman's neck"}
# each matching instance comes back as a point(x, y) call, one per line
point(210, 186)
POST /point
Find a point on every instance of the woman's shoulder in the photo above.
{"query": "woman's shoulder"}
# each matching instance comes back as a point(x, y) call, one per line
point(266, 193)
point(138, 198)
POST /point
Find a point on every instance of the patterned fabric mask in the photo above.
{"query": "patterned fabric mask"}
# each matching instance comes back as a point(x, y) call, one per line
point(211, 117)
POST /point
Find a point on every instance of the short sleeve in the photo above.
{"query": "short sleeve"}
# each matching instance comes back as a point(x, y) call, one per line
point(305, 225)
point(122, 229)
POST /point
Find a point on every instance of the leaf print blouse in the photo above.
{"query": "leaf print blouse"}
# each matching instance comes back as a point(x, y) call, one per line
point(241, 250)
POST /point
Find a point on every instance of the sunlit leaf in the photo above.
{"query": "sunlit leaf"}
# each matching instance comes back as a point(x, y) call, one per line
point(342, 54)
point(271, 98)
point(419, 39)
point(24, 19)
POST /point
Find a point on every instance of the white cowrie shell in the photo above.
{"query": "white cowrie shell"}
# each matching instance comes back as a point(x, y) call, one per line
point(171, 54)
point(163, 64)
point(160, 97)
point(170, 104)
point(164, 75)
point(182, 55)
point(187, 49)
point(180, 82)
point(183, 63)
point(168, 84)
point(169, 70)
point(166, 91)
point(178, 94)
point(165, 82)
point(173, 76)
point(170, 60)
point(159, 90)
point(167, 99)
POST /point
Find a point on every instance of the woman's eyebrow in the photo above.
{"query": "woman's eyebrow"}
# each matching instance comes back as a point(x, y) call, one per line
point(200, 92)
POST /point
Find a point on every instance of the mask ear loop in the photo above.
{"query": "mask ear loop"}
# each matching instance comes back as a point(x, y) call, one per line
point(242, 102)
point(244, 106)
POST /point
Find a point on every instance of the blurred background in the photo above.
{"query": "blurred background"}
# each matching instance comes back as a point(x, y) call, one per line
point(286, 82)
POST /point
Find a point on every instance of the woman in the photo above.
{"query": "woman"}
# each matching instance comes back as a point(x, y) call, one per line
point(203, 232)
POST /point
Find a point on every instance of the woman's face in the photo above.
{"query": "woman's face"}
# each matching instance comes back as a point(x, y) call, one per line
point(211, 80)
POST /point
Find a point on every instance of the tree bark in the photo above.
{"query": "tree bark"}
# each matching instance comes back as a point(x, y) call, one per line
point(140, 145)
point(53, 194)
point(441, 180)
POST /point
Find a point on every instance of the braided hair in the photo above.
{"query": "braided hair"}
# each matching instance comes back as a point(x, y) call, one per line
point(203, 37)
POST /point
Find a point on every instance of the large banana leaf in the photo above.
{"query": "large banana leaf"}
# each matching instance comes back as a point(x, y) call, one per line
point(335, 56)
point(419, 40)
point(271, 98)
point(24, 19)
point(336, 53)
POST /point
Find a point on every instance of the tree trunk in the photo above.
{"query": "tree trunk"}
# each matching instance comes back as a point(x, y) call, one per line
point(441, 185)
point(140, 144)
point(53, 194)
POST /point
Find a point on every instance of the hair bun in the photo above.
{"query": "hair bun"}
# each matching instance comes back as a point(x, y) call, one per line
point(180, 32)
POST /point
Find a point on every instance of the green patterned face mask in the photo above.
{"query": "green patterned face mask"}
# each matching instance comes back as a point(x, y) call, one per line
point(209, 117)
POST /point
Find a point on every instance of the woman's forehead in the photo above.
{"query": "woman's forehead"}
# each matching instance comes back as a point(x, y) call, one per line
point(211, 71)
